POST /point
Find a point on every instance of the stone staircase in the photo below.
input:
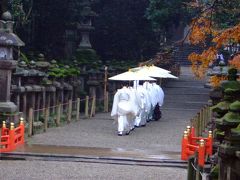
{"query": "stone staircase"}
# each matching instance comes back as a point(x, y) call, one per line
point(182, 51)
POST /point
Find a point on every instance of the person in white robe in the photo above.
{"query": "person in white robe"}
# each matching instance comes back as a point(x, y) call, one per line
point(152, 97)
point(159, 95)
point(135, 106)
point(123, 108)
point(142, 96)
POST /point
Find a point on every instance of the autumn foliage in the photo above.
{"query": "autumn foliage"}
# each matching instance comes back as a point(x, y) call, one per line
point(205, 32)
point(216, 80)
point(235, 62)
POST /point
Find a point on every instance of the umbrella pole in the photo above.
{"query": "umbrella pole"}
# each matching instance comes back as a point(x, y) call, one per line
point(160, 81)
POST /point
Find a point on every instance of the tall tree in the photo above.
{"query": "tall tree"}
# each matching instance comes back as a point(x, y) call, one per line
point(122, 31)
point(165, 14)
point(121, 28)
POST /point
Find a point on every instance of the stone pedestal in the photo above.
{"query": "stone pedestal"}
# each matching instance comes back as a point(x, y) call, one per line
point(18, 92)
point(229, 163)
point(92, 87)
point(6, 67)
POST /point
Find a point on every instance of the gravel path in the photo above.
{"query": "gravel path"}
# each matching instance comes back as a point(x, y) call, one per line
point(183, 99)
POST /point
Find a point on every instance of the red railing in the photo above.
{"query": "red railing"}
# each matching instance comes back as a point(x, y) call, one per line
point(11, 138)
point(192, 144)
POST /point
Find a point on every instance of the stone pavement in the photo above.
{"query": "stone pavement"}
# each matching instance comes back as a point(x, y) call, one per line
point(183, 99)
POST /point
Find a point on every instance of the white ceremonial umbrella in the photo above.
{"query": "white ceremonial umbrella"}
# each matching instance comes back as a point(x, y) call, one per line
point(154, 71)
point(152, 68)
point(168, 75)
point(131, 75)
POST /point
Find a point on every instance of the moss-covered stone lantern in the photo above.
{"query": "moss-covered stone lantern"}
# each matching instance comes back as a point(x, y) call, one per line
point(228, 128)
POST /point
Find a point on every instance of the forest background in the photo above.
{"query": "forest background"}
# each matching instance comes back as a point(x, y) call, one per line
point(124, 29)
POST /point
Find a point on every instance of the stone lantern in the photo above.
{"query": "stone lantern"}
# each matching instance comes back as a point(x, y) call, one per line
point(8, 40)
point(85, 27)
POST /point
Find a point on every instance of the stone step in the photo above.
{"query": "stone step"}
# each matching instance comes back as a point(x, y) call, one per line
point(182, 98)
point(186, 91)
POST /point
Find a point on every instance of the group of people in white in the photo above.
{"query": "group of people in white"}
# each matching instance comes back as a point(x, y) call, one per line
point(135, 106)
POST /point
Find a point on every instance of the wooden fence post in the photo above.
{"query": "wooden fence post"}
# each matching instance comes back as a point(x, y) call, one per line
point(69, 116)
point(95, 105)
point(24, 105)
point(58, 114)
point(207, 113)
point(210, 114)
point(105, 88)
point(78, 109)
point(205, 116)
point(86, 106)
point(91, 110)
point(44, 99)
point(46, 118)
point(38, 106)
point(191, 122)
point(196, 125)
point(107, 101)
point(92, 113)
point(200, 122)
point(203, 119)
point(30, 122)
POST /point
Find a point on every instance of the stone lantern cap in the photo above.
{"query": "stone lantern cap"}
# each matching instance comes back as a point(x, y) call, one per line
point(88, 12)
point(50, 88)
point(58, 85)
point(22, 64)
point(10, 39)
point(21, 72)
point(67, 86)
point(42, 64)
point(17, 89)
point(35, 73)
point(6, 16)
point(7, 37)
point(53, 61)
point(36, 88)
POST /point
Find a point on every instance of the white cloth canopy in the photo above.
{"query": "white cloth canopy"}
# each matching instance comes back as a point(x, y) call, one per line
point(154, 71)
point(131, 76)
point(153, 68)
